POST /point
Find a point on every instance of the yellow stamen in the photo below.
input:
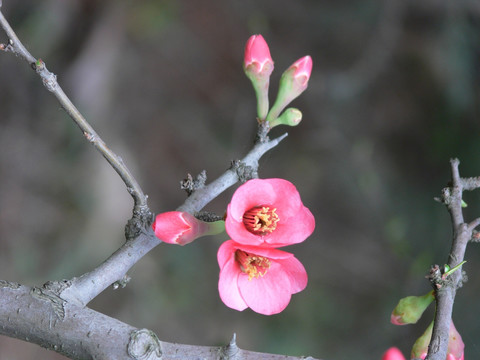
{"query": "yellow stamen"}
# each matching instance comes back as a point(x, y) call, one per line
point(252, 265)
point(261, 220)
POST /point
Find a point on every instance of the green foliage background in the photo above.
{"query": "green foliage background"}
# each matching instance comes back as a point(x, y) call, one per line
point(394, 94)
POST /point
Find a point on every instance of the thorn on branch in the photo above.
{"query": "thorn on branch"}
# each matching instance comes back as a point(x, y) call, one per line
point(231, 351)
point(190, 184)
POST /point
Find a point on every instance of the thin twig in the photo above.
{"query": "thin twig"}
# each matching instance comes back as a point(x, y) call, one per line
point(49, 80)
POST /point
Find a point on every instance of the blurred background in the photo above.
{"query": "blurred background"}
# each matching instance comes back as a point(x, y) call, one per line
point(394, 94)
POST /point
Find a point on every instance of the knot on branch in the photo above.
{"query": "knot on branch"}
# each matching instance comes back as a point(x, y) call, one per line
point(244, 172)
point(50, 292)
point(437, 279)
point(122, 283)
point(49, 79)
point(263, 129)
point(10, 285)
point(144, 345)
point(446, 196)
point(208, 216)
point(190, 184)
point(141, 219)
point(475, 236)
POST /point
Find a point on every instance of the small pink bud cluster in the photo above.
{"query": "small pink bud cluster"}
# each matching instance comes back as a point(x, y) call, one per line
point(258, 66)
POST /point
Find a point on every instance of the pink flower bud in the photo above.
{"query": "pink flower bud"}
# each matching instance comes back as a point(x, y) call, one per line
point(303, 70)
point(181, 228)
point(293, 82)
point(393, 354)
point(455, 344)
point(257, 55)
point(258, 66)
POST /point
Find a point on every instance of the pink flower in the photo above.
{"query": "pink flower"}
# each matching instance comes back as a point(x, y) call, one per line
point(268, 212)
point(260, 278)
point(257, 55)
point(176, 227)
point(393, 354)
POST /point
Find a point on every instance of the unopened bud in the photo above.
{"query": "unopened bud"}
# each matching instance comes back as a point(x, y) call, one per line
point(290, 117)
point(181, 228)
point(293, 82)
point(258, 66)
point(410, 309)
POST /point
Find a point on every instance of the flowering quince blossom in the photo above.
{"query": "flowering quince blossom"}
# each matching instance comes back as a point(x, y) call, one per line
point(268, 213)
point(181, 228)
point(393, 354)
point(257, 277)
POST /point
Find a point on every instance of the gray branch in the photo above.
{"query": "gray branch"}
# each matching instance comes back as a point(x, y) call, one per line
point(446, 286)
point(38, 316)
point(50, 82)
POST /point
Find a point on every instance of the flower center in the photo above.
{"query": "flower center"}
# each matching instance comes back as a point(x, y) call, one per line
point(260, 220)
point(252, 265)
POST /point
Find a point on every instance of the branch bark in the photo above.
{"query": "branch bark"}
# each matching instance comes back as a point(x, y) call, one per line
point(446, 286)
point(40, 316)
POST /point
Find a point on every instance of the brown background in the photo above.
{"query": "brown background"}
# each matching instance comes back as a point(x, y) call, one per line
point(394, 94)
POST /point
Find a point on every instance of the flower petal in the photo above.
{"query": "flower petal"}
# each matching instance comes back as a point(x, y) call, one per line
point(296, 273)
point(253, 193)
point(269, 294)
point(228, 286)
point(226, 252)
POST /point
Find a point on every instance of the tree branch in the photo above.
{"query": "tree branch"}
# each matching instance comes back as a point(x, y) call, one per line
point(39, 316)
point(50, 82)
point(446, 286)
